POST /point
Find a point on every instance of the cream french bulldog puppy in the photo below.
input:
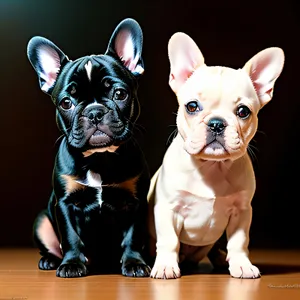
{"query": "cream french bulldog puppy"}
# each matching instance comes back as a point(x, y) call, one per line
point(206, 181)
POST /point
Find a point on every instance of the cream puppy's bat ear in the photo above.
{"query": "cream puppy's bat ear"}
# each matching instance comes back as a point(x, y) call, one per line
point(185, 57)
point(264, 68)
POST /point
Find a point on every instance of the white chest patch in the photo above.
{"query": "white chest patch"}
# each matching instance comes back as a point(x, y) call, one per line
point(94, 180)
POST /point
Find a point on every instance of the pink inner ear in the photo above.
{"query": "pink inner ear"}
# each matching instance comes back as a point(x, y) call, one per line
point(50, 64)
point(182, 74)
point(185, 57)
point(261, 89)
point(124, 47)
point(181, 71)
point(265, 67)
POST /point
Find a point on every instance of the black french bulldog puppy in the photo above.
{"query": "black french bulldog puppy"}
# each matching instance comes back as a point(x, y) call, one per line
point(96, 215)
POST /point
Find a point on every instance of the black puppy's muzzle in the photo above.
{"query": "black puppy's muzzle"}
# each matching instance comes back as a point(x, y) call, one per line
point(104, 119)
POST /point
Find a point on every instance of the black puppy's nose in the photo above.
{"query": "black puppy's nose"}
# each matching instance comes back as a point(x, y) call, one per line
point(216, 125)
point(95, 113)
point(95, 116)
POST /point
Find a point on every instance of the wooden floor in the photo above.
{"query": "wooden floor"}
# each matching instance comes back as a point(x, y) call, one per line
point(21, 279)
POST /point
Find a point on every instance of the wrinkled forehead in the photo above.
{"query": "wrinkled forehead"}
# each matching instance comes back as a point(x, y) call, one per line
point(93, 69)
point(218, 84)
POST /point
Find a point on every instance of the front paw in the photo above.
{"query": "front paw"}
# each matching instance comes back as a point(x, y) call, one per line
point(166, 267)
point(241, 267)
point(71, 269)
point(135, 268)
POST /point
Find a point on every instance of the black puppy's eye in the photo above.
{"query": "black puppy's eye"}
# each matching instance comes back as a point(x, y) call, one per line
point(120, 94)
point(66, 104)
point(192, 107)
point(243, 112)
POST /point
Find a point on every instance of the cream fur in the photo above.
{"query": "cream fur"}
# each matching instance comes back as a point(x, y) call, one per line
point(203, 189)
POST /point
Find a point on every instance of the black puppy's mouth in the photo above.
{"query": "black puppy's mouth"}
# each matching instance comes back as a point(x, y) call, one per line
point(99, 138)
point(86, 135)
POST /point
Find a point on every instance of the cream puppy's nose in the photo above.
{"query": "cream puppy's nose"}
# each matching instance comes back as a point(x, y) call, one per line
point(217, 125)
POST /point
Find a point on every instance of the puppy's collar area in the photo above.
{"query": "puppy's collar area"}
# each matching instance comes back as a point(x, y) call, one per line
point(223, 163)
point(89, 152)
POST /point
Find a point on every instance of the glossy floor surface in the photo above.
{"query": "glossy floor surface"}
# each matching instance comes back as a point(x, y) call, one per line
point(21, 279)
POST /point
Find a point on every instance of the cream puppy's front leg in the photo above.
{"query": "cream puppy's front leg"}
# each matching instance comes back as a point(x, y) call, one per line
point(237, 246)
point(167, 245)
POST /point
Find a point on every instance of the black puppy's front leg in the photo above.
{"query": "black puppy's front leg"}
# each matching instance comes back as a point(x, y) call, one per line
point(133, 264)
point(73, 263)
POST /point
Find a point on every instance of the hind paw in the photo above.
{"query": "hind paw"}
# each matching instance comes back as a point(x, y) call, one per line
point(49, 262)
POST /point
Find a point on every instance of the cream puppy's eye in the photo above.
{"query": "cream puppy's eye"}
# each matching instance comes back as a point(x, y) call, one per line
point(243, 112)
point(193, 107)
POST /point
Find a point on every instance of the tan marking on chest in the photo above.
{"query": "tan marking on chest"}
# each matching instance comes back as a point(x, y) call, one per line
point(71, 184)
point(129, 185)
point(99, 150)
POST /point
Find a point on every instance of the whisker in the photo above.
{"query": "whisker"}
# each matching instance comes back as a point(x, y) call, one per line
point(140, 127)
point(251, 152)
point(172, 135)
point(261, 132)
point(58, 139)
point(62, 135)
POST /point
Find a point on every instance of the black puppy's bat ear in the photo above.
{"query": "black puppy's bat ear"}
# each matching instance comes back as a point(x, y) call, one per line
point(126, 43)
point(47, 60)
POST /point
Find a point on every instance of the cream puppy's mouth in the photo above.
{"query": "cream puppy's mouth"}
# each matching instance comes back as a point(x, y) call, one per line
point(211, 148)
point(214, 148)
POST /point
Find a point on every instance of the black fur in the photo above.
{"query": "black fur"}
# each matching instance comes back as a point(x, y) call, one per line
point(96, 109)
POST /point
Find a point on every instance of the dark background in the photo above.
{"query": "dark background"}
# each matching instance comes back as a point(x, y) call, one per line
point(227, 32)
